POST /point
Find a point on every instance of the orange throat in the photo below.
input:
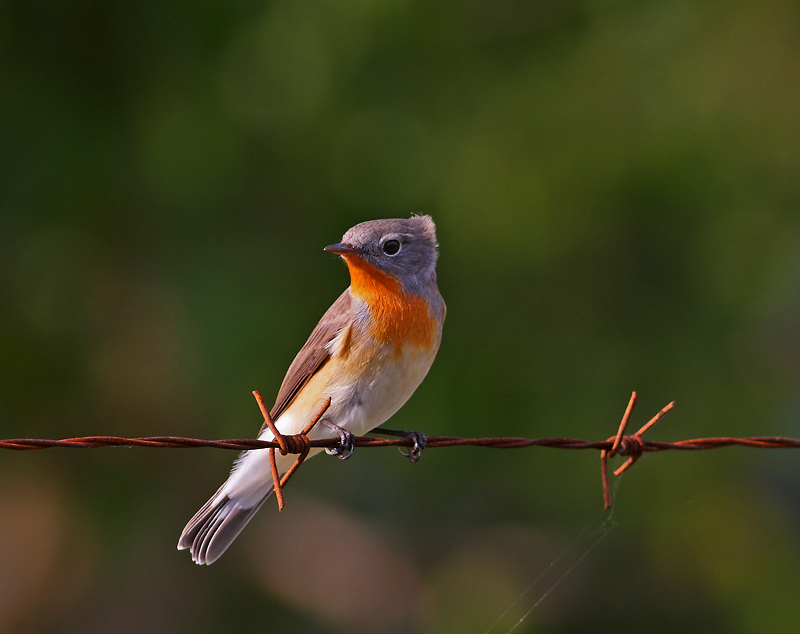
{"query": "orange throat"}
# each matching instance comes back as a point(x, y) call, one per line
point(399, 317)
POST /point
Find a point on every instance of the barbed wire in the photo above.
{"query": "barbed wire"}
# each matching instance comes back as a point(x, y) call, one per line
point(633, 446)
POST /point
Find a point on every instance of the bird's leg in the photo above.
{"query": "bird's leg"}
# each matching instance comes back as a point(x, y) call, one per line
point(420, 441)
point(346, 441)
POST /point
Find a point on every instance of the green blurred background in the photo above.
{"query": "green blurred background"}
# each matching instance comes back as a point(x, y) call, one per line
point(617, 191)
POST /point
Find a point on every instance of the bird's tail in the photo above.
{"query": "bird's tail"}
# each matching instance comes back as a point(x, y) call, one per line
point(214, 527)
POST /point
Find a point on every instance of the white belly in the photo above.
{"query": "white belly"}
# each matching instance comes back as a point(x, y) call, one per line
point(358, 405)
point(381, 389)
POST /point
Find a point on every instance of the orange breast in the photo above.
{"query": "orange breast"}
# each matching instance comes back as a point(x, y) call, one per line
point(399, 318)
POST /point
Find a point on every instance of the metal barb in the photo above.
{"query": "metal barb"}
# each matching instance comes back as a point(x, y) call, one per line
point(297, 444)
point(632, 446)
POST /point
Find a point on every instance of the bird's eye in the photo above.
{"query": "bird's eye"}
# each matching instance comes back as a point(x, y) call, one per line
point(391, 247)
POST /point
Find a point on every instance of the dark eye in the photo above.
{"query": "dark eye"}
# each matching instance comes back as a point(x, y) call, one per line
point(391, 247)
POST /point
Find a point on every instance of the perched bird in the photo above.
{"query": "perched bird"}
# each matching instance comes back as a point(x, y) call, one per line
point(368, 354)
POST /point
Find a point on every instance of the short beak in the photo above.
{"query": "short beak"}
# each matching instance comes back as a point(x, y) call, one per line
point(341, 249)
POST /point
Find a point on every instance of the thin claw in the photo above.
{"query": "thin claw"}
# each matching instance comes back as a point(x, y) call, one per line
point(343, 450)
point(420, 443)
point(347, 441)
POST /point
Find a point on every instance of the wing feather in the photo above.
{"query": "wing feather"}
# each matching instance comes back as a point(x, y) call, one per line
point(314, 354)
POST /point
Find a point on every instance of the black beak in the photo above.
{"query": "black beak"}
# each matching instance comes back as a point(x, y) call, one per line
point(341, 249)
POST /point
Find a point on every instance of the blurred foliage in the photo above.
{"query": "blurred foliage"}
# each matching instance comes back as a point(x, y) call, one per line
point(617, 190)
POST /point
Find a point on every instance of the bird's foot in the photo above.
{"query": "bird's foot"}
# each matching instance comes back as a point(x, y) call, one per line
point(347, 441)
point(420, 441)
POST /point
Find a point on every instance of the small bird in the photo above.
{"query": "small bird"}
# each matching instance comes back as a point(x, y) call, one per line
point(369, 352)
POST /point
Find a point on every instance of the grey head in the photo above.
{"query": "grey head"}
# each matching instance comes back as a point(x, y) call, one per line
point(403, 247)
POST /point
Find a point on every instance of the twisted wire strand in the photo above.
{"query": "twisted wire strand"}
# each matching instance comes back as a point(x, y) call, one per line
point(501, 442)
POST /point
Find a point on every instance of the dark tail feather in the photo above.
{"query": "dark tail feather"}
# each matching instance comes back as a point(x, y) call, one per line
point(214, 527)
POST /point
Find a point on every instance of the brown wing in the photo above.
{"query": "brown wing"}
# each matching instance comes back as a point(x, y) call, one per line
point(314, 354)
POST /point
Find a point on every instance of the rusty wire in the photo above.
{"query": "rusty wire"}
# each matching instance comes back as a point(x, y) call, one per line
point(633, 446)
